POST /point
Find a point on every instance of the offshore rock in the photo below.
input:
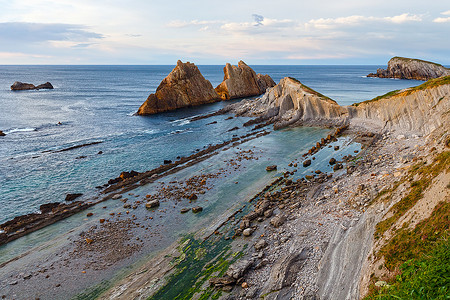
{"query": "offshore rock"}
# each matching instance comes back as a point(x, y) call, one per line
point(409, 68)
point(241, 81)
point(20, 86)
point(185, 86)
point(2, 133)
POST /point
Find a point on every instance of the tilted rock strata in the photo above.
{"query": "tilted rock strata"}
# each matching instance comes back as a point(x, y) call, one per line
point(417, 109)
point(290, 101)
point(184, 86)
point(242, 81)
point(20, 86)
point(408, 68)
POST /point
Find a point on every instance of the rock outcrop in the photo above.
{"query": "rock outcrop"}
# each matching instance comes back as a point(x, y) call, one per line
point(419, 109)
point(185, 86)
point(20, 86)
point(241, 81)
point(409, 68)
point(289, 102)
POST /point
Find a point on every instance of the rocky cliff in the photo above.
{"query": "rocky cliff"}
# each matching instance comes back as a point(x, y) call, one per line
point(419, 109)
point(241, 81)
point(184, 86)
point(408, 68)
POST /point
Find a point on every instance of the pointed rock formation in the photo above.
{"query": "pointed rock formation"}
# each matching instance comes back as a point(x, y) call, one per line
point(241, 81)
point(409, 68)
point(184, 86)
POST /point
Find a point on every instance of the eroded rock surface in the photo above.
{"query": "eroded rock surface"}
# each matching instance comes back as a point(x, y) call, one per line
point(409, 68)
point(241, 81)
point(185, 86)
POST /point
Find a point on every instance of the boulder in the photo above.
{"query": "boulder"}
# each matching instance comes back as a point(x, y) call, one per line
point(332, 161)
point(185, 86)
point(271, 168)
point(21, 86)
point(241, 81)
point(2, 133)
point(306, 163)
point(46, 85)
point(152, 204)
point(409, 68)
point(260, 245)
point(238, 269)
point(278, 220)
point(197, 209)
point(126, 175)
point(71, 197)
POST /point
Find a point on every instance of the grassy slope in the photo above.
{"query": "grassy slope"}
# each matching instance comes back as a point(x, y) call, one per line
point(432, 83)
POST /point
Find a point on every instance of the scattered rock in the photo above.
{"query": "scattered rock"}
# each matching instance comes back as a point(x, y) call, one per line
point(116, 196)
point(152, 204)
point(271, 168)
point(238, 269)
point(193, 197)
point(332, 161)
point(197, 209)
point(278, 220)
point(306, 163)
point(184, 210)
point(71, 197)
point(260, 245)
point(247, 232)
point(336, 148)
point(167, 161)
point(89, 214)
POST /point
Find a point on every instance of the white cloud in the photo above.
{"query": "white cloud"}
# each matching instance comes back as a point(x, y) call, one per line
point(404, 18)
point(442, 20)
point(182, 24)
point(447, 13)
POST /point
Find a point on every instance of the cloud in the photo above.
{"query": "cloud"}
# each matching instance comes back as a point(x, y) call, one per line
point(443, 20)
point(258, 19)
point(42, 32)
point(403, 18)
point(182, 24)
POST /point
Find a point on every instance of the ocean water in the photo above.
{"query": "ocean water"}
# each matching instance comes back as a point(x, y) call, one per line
point(97, 104)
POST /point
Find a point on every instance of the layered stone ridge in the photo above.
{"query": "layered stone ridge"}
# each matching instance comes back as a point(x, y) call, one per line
point(409, 68)
point(185, 86)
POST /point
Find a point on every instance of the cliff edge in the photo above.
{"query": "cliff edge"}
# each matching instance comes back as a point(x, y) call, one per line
point(409, 68)
point(184, 86)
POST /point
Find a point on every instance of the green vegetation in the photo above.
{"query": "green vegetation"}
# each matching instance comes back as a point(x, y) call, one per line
point(310, 90)
point(427, 277)
point(432, 83)
point(420, 256)
point(415, 59)
point(426, 174)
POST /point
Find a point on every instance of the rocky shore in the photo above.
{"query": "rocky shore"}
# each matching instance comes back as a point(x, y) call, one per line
point(410, 68)
point(315, 236)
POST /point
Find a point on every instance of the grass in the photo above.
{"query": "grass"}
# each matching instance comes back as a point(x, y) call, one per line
point(432, 83)
point(427, 277)
point(310, 90)
point(426, 174)
point(418, 60)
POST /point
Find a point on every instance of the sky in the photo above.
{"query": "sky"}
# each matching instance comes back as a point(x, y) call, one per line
point(294, 32)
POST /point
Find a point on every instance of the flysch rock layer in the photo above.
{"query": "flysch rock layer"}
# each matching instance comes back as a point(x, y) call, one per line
point(185, 86)
point(416, 109)
point(409, 68)
point(241, 81)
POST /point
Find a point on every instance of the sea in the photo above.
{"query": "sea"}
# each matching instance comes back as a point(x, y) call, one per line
point(98, 104)
point(95, 106)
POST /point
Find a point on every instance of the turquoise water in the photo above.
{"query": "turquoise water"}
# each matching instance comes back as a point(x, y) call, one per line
point(97, 103)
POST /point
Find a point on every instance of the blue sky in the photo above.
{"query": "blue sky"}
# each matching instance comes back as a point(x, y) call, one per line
point(215, 32)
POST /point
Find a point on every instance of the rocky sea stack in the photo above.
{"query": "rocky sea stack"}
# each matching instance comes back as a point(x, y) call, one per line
point(20, 86)
point(409, 68)
point(184, 86)
point(241, 81)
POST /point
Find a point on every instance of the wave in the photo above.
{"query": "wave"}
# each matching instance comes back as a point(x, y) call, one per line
point(178, 131)
point(181, 122)
point(26, 129)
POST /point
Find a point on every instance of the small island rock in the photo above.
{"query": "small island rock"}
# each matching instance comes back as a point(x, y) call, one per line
point(241, 81)
point(21, 86)
point(184, 86)
point(410, 68)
